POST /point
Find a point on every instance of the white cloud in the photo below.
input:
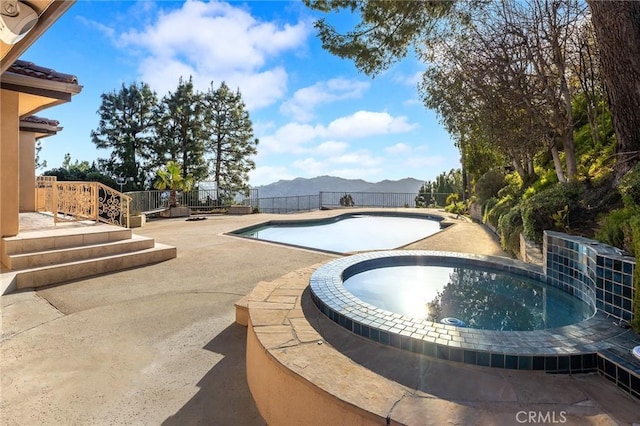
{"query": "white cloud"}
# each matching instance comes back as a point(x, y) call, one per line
point(289, 138)
point(362, 158)
point(347, 165)
point(366, 123)
point(216, 41)
point(301, 106)
point(104, 29)
point(263, 175)
point(399, 148)
point(294, 137)
point(414, 155)
point(330, 148)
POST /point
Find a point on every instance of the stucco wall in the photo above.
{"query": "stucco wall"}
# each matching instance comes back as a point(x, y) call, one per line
point(9, 163)
point(284, 398)
point(27, 172)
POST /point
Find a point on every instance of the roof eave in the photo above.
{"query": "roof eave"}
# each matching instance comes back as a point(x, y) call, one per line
point(28, 84)
point(40, 129)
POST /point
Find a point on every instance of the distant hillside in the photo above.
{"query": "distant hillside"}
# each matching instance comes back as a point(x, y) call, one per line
point(302, 186)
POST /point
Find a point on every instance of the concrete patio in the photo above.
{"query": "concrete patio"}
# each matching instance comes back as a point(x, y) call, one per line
point(158, 345)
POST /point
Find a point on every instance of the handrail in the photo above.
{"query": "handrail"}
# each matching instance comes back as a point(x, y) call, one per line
point(113, 206)
point(74, 201)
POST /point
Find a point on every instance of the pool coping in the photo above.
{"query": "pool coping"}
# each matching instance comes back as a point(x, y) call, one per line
point(568, 349)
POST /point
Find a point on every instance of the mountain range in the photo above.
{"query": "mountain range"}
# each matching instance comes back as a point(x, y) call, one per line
point(313, 186)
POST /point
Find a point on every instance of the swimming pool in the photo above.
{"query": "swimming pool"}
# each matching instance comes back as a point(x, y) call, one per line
point(348, 232)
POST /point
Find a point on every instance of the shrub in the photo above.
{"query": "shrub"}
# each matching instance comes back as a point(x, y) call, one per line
point(629, 186)
point(347, 201)
point(498, 210)
point(452, 199)
point(510, 227)
point(539, 213)
point(489, 184)
point(457, 207)
point(486, 208)
point(547, 178)
point(616, 228)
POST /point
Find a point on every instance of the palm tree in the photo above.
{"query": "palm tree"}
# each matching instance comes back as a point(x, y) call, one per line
point(171, 178)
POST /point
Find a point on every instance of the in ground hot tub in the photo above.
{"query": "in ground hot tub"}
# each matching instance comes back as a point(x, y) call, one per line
point(512, 318)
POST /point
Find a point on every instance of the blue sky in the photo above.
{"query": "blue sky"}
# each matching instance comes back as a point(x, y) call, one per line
point(314, 113)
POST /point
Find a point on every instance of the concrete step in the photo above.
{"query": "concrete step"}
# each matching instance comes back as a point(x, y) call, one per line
point(59, 273)
point(60, 238)
point(75, 253)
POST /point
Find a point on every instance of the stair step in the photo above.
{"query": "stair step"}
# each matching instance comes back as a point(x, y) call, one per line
point(63, 238)
point(71, 254)
point(55, 274)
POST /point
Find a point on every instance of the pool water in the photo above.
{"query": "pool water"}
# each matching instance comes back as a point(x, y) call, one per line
point(482, 299)
point(349, 233)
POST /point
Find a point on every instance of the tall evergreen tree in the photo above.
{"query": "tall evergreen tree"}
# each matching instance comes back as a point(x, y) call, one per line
point(180, 130)
point(231, 139)
point(126, 126)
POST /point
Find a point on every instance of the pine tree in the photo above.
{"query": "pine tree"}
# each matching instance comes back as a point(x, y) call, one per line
point(180, 128)
point(231, 139)
point(126, 126)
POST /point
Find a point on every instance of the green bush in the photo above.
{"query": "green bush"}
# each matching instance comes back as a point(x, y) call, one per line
point(539, 213)
point(486, 208)
point(616, 228)
point(629, 186)
point(547, 178)
point(509, 228)
point(457, 207)
point(452, 199)
point(489, 184)
point(499, 209)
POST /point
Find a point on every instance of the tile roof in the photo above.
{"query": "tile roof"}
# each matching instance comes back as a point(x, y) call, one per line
point(40, 120)
point(33, 70)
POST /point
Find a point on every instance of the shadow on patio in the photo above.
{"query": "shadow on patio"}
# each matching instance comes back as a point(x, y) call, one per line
point(224, 397)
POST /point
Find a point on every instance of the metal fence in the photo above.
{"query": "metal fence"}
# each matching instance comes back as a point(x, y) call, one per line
point(301, 203)
point(203, 200)
point(197, 199)
point(367, 199)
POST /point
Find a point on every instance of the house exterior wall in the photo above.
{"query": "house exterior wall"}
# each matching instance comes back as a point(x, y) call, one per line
point(27, 172)
point(9, 164)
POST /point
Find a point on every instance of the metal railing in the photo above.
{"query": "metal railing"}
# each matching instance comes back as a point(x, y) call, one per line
point(301, 203)
point(204, 200)
point(45, 200)
point(197, 199)
point(366, 199)
point(74, 201)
